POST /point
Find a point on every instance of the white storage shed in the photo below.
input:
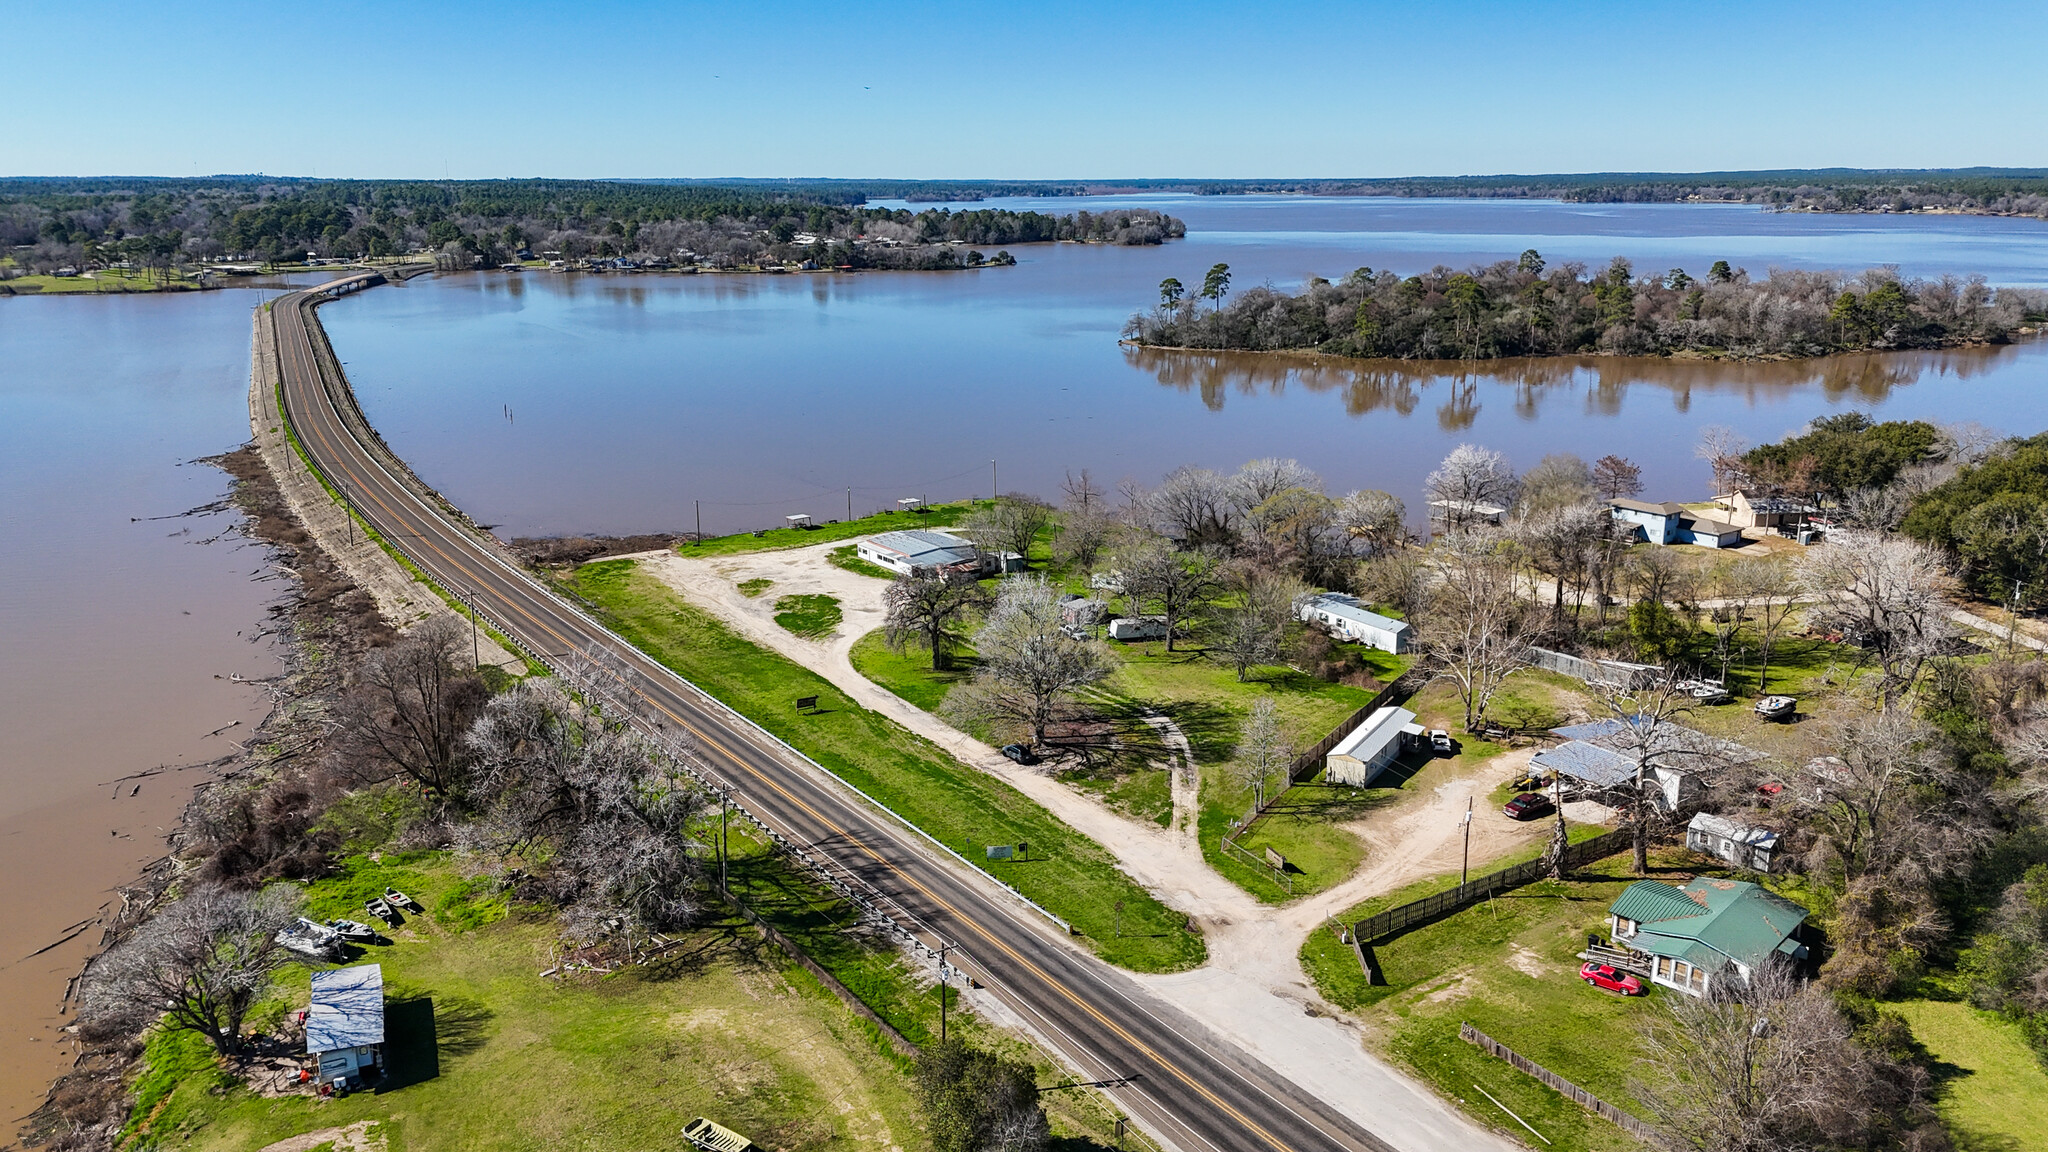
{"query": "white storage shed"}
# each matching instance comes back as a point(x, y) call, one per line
point(1370, 747)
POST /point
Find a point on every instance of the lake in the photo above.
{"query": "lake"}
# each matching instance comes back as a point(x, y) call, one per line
point(564, 403)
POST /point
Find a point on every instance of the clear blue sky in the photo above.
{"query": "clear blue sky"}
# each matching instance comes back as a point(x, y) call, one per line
point(1026, 90)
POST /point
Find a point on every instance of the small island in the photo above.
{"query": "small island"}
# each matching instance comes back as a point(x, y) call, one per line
point(1527, 307)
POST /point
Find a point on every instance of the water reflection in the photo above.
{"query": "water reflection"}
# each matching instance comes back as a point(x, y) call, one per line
point(1368, 386)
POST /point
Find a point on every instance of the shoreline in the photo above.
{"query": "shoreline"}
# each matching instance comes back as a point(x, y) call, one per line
point(1695, 356)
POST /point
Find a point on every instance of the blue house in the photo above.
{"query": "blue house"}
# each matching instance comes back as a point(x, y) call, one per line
point(1669, 523)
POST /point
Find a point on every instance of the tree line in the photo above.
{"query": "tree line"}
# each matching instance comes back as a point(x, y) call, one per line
point(51, 223)
point(1527, 307)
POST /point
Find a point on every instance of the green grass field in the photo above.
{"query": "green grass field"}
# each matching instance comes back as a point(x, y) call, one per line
point(937, 516)
point(1069, 874)
point(812, 617)
point(106, 280)
point(486, 1054)
point(1509, 967)
point(1994, 1094)
point(909, 673)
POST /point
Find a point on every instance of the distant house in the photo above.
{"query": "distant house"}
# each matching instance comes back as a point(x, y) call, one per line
point(345, 1023)
point(921, 552)
point(1370, 747)
point(1779, 512)
point(1669, 523)
point(1082, 612)
point(1459, 513)
point(1732, 841)
point(1709, 932)
point(1343, 617)
point(1601, 757)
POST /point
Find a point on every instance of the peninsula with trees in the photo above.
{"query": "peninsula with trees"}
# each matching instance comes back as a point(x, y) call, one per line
point(1529, 307)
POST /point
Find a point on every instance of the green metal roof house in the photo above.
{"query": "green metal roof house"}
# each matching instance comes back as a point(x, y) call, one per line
point(1709, 930)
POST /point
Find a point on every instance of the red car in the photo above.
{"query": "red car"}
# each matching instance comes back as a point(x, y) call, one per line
point(1528, 806)
point(1610, 978)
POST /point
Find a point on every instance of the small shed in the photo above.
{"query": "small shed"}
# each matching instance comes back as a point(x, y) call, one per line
point(1138, 628)
point(345, 1023)
point(1345, 618)
point(1731, 840)
point(1369, 748)
point(1081, 611)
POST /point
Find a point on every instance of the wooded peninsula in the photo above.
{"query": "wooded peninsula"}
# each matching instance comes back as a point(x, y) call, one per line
point(1527, 307)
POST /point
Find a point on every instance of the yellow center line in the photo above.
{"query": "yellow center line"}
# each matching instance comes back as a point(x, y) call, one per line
point(984, 933)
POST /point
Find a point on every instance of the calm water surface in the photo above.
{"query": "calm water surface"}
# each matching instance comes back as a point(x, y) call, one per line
point(631, 397)
point(119, 632)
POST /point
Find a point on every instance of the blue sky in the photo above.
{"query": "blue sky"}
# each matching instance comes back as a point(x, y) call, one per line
point(338, 88)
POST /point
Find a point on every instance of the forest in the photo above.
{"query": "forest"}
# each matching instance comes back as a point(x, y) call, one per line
point(1527, 307)
point(50, 223)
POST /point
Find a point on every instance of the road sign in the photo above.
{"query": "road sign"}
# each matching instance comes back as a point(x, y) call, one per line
point(1275, 859)
point(1001, 851)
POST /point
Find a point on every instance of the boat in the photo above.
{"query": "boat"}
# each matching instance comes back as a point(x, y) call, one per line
point(316, 941)
point(1777, 707)
point(354, 931)
point(715, 1137)
point(382, 910)
point(401, 900)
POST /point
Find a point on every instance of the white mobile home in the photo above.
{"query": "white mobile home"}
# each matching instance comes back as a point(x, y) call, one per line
point(345, 1023)
point(1345, 618)
point(1370, 747)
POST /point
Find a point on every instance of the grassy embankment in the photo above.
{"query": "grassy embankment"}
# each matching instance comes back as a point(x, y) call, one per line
point(104, 281)
point(812, 617)
point(485, 1054)
point(779, 536)
point(963, 808)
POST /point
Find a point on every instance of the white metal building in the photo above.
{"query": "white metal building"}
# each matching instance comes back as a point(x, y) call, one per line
point(345, 1023)
point(1370, 747)
point(919, 551)
point(1345, 618)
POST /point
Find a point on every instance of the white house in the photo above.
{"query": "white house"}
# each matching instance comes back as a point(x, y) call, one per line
point(1370, 747)
point(921, 552)
point(345, 1023)
point(1343, 617)
point(1710, 933)
point(1737, 843)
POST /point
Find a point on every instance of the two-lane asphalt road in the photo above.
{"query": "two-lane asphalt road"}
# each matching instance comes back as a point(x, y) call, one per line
point(1195, 1091)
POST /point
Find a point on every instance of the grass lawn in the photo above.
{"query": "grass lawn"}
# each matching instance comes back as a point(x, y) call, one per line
point(107, 280)
point(849, 559)
point(485, 1054)
point(1994, 1093)
point(812, 617)
point(1509, 967)
point(909, 673)
point(963, 808)
point(753, 588)
point(778, 536)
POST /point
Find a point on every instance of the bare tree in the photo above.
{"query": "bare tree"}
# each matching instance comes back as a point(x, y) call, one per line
point(1378, 520)
point(1261, 480)
point(1767, 586)
point(1263, 750)
point(199, 964)
point(1398, 580)
point(1887, 593)
point(1469, 478)
point(1615, 477)
point(408, 709)
point(1029, 666)
point(1722, 449)
point(1558, 480)
point(1011, 524)
point(928, 609)
point(1479, 625)
point(1083, 494)
point(1557, 541)
point(1195, 507)
point(1649, 736)
point(1772, 1067)
point(1866, 802)
point(1253, 631)
point(1174, 584)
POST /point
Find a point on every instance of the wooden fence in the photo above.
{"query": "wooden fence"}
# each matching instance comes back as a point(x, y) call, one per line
point(1430, 907)
point(1564, 1087)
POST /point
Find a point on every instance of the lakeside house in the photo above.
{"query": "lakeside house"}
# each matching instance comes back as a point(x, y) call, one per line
point(922, 552)
point(1370, 747)
point(1737, 843)
point(1780, 513)
point(1345, 618)
point(345, 1023)
point(1669, 523)
point(1708, 933)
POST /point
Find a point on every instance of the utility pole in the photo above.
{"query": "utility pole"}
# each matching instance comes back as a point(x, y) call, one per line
point(476, 659)
point(849, 504)
point(2012, 619)
point(993, 488)
point(944, 987)
point(724, 849)
point(348, 509)
point(699, 505)
point(1119, 919)
point(1465, 869)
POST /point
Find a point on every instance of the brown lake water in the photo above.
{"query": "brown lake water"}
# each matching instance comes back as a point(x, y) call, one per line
point(549, 403)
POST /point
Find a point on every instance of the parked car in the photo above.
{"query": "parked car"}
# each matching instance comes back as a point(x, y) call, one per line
point(1020, 753)
point(1528, 806)
point(1610, 978)
point(1440, 742)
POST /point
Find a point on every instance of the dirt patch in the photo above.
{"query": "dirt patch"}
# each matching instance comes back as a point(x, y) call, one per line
point(1453, 989)
point(356, 1137)
point(1526, 962)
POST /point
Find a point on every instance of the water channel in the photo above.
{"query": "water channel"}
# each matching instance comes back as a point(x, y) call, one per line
point(565, 403)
